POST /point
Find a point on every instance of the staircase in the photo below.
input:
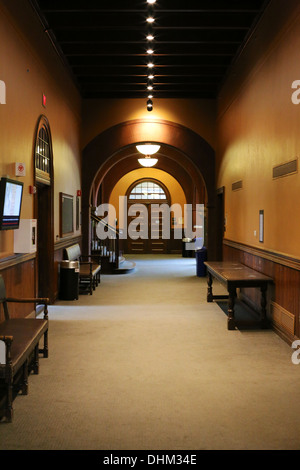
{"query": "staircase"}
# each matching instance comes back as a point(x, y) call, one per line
point(112, 262)
point(125, 266)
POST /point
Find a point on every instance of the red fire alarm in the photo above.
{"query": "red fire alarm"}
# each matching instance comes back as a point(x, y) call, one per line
point(32, 189)
point(78, 192)
point(44, 99)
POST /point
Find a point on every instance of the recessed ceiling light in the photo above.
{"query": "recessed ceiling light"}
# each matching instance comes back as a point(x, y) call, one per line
point(150, 97)
point(150, 51)
point(150, 37)
point(150, 19)
point(151, 1)
point(150, 65)
point(149, 87)
point(150, 77)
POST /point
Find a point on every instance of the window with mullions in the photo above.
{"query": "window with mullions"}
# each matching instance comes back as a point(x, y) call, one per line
point(147, 190)
point(43, 153)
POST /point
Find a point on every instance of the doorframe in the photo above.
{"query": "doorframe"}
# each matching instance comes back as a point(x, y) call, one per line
point(44, 194)
point(148, 202)
point(220, 221)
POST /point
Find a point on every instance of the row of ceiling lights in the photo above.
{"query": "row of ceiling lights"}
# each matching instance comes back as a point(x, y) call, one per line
point(149, 149)
point(150, 38)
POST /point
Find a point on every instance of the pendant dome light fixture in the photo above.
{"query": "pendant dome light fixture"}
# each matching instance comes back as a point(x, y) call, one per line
point(149, 105)
point(148, 161)
point(148, 150)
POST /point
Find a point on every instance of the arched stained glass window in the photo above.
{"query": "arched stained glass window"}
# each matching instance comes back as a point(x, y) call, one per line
point(147, 190)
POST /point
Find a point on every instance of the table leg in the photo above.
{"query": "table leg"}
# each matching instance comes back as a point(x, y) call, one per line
point(209, 288)
point(263, 313)
point(231, 301)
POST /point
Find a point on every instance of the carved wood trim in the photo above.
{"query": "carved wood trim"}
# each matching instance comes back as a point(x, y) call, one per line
point(274, 256)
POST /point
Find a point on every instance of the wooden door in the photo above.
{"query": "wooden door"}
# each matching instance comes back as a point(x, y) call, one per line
point(137, 226)
point(148, 225)
point(156, 244)
point(45, 249)
point(146, 195)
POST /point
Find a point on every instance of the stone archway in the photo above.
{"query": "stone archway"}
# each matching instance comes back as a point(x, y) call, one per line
point(193, 147)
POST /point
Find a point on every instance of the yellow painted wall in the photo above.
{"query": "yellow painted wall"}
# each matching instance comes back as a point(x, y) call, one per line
point(29, 67)
point(120, 189)
point(258, 128)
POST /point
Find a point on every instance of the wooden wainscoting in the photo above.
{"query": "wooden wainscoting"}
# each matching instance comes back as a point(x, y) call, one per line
point(19, 274)
point(284, 296)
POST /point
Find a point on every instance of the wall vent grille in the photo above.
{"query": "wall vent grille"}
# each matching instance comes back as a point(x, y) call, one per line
point(285, 169)
point(237, 185)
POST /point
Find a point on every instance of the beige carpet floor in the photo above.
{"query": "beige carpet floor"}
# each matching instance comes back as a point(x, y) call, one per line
point(146, 363)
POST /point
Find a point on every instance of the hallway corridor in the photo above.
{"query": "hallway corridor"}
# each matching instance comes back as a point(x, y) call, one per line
point(145, 363)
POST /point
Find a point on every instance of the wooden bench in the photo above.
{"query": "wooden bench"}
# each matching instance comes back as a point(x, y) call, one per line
point(233, 276)
point(19, 341)
point(89, 267)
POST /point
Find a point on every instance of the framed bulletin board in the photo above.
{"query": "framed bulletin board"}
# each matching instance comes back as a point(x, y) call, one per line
point(66, 214)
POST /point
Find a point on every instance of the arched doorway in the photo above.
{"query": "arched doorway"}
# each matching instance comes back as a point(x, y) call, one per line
point(115, 188)
point(43, 208)
point(103, 152)
point(145, 217)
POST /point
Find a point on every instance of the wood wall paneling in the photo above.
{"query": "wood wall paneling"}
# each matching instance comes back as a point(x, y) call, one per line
point(19, 281)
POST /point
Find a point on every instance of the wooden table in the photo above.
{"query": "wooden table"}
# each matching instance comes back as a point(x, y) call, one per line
point(233, 276)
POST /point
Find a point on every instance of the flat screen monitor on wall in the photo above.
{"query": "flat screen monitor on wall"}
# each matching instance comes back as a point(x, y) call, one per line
point(11, 193)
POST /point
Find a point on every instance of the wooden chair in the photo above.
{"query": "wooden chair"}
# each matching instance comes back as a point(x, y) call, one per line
point(21, 337)
point(89, 266)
